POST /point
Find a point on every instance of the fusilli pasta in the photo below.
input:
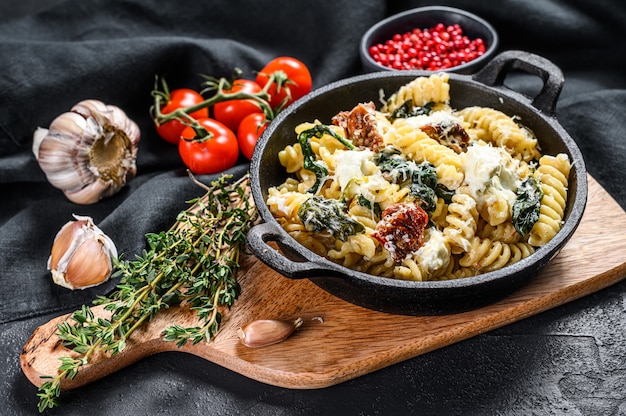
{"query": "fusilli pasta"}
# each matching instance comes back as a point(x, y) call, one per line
point(435, 203)
point(553, 172)
point(495, 127)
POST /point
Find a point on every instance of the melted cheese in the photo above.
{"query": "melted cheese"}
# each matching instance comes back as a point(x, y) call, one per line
point(286, 204)
point(353, 164)
point(442, 118)
point(490, 172)
point(435, 253)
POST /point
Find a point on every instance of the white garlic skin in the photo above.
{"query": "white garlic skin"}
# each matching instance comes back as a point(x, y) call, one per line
point(82, 255)
point(89, 152)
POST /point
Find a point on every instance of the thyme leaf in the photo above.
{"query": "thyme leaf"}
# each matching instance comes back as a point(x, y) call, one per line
point(193, 263)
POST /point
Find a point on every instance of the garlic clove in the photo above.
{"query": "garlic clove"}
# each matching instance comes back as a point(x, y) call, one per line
point(63, 241)
point(70, 125)
point(82, 255)
point(89, 266)
point(84, 195)
point(89, 152)
point(264, 332)
point(38, 136)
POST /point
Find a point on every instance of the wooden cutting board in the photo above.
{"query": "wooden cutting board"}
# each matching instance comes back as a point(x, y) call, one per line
point(340, 341)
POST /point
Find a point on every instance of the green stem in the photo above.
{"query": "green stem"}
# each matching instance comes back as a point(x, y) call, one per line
point(215, 311)
point(183, 114)
point(92, 334)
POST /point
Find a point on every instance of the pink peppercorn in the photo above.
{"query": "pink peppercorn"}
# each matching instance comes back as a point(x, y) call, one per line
point(436, 48)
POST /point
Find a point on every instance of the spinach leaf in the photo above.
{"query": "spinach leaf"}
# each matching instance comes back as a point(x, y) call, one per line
point(442, 191)
point(394, 166)
point(322, 214)
point(407, 109)
point(525, 211)
point(304, 138)
point(424, 178)
point(421, 178)
point(368, 204)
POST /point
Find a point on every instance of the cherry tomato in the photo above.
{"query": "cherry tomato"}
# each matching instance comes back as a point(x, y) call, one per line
point(298, 74)
point(212, 154)
point(249, 131)
point(180, 98)
point(231, 112)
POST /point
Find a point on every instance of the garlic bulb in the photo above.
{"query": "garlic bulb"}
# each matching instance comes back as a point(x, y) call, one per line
point(81, 255)
point(89, 152)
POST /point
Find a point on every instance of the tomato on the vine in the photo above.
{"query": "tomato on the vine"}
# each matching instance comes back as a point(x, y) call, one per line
point(179, 98)
point(231, 112)
point(249, 131)
point(299, 83)
point(214, 153)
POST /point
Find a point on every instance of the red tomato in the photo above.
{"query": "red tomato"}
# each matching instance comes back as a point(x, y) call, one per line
point(212, 154)
point(249, 131)
point(180, 98)
point(299, 83)
point(231, 112)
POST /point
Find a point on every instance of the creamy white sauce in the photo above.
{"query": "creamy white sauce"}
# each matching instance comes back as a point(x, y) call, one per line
point(370, 186)
point(490, 171)
point(434, 253)
point(279, 202)
point(353, 164)
point(284, 204)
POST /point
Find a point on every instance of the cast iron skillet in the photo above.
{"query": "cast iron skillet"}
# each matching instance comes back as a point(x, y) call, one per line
point(485, 88)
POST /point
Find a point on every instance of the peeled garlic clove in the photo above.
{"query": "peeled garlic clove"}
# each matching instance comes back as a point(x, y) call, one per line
point(89, 152)
point(264, 332)
point(82, 255)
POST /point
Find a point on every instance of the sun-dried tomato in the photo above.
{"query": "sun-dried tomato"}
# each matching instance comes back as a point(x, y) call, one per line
point(401, 229)
point(361, 126)
point(452, 135)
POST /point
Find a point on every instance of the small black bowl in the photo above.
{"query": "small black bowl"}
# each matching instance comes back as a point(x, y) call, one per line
point(427, 17)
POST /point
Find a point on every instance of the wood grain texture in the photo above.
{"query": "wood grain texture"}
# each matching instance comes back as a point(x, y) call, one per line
point(340, 341)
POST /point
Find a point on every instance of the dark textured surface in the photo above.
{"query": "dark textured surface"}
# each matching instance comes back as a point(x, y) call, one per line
point(569, 360)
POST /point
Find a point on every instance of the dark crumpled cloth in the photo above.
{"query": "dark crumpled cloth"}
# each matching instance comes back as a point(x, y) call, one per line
point(112, 50)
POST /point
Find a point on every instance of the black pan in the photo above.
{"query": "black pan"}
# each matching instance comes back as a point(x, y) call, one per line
point(485, 88)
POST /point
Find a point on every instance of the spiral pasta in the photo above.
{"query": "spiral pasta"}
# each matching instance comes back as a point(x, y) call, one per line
point(494, 126)
point(420, 91)
point(418, 146)
point(504, 232)
point(485, 255)
point(462, 222)
point(553, 172)
point(439, 199)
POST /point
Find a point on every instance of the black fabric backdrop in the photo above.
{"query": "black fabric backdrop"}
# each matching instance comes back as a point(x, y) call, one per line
point(111, 50)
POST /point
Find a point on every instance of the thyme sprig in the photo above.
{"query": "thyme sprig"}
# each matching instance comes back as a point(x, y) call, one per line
point(194, 263)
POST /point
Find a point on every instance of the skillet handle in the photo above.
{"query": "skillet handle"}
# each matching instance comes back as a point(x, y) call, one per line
point(257, 241)
point(494, 73)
